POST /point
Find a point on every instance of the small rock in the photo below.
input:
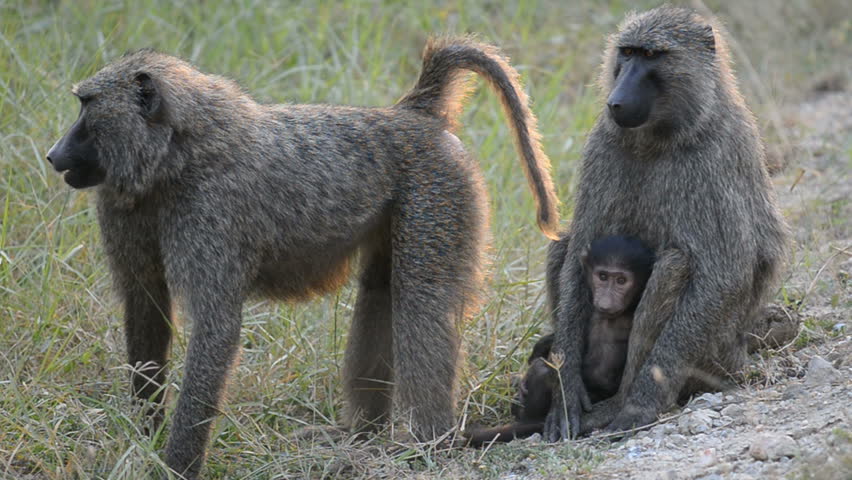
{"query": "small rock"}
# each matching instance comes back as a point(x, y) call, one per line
point(645, 441)
point(712, 413)
point(676, 440)
point(821, 372)
point(707, 458)
point(668, 475)
point(696, 422)
point(662, 430)
point(724, 468)
point(707, 400)
point(772, 446)
point(734, 411)
point(805, 431)
point(723, 421)
point(793, 391)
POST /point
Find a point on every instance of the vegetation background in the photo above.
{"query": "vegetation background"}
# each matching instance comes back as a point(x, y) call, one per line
point(65, 410)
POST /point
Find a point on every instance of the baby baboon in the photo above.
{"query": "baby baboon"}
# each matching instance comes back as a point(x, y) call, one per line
point(677, 161)
point(532, 401)
point(206, 196)
point(617, 269)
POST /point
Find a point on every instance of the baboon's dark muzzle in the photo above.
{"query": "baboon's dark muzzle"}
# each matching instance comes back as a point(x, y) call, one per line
point(633, 95)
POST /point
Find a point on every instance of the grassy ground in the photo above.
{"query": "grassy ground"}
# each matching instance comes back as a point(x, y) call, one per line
point(65, 411)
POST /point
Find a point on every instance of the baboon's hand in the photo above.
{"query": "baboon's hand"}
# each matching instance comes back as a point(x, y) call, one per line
point(563, 419)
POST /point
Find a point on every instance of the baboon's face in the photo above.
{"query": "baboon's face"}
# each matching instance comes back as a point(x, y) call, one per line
point(114, 139)
point(614, 288)
point(661, 71)
point(75, 154)
point(636, 86)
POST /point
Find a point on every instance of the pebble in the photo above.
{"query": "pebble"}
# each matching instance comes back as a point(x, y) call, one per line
point(707, 458)
point(634, 452)
point(772, 446)
point(662, 430)
point(820, 372)
point(722, 421)
point(793, 391)
point(676, 440)
point(735, 411)
point(707, 400)
point(668, 475)
point(696, 422)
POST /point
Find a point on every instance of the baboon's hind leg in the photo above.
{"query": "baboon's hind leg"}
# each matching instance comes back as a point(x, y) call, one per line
point(438, 241)
point(368, 371)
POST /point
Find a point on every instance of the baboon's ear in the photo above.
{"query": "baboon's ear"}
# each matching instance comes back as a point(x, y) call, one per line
point(584, 258)
point(150, 98)
point(709, 38)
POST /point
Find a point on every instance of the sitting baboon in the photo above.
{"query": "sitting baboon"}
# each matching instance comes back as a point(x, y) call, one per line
point(207, 196)
point(616, 269)
point(677, 161)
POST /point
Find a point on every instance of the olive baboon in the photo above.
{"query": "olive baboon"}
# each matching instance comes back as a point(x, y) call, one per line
point(678, 162)
point(617, 269)
point(206, 196)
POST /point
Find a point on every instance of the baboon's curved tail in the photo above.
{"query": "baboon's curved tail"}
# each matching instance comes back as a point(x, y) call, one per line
point(443, 86)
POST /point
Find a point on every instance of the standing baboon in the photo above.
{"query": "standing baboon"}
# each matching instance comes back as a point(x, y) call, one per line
point(677, 161)
point(208, 197)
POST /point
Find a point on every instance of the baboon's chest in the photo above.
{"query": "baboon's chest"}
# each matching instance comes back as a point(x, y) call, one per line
point(644, 197)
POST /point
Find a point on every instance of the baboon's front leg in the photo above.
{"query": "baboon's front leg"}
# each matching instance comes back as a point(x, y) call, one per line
point(133, 250)
point(572, 311)
point(661, 374)
point(213, 304)
point(148, 331)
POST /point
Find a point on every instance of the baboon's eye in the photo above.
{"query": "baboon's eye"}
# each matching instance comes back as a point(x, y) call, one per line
point(650, 53)
point(621, 280)
point(627, 51)
point(603, 276)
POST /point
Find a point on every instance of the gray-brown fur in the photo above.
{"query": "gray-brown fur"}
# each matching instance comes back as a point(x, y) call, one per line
point(207, 197)
point(691, 183)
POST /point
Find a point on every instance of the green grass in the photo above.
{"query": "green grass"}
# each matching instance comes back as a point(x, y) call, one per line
point(65, 410)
